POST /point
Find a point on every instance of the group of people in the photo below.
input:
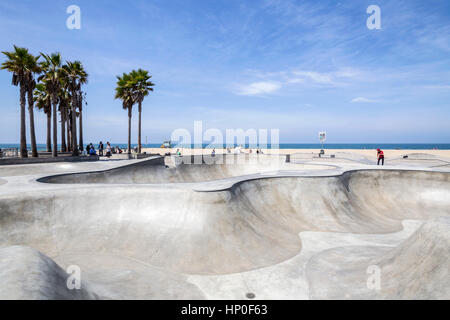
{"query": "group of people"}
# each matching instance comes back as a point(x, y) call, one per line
point(102, 151)
point(240, 149)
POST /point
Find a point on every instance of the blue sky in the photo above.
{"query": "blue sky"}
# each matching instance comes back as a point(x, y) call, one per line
point(300, 66)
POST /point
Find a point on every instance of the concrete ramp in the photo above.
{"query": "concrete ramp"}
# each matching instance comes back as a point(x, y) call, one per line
point(28, 274)
point(138, 241)
point(418, 268)
point(185, 169)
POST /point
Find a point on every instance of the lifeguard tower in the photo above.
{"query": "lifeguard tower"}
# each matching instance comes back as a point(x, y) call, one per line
point(167, 144)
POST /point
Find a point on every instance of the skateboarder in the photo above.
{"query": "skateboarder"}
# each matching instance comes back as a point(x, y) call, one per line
point(380, 155)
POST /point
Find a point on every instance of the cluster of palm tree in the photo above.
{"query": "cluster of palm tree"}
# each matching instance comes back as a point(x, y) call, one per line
point(52, 86)
point(132, 88)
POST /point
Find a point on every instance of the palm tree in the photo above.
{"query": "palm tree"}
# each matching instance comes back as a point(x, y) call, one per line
point(141, 86)
point(32, 69)
point(43, 102)
point(124, 92)
point(81, 99)
point(51, 76)
point(76, 76)
point(64, 104)
point(17, 63)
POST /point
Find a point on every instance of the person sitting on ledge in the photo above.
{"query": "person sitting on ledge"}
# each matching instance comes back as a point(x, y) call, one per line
point(92, 151)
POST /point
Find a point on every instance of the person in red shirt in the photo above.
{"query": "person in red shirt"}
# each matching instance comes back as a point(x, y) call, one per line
point(380, 155)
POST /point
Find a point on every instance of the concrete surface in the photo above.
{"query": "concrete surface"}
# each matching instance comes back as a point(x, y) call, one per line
point(46, 159)
point(149, 229)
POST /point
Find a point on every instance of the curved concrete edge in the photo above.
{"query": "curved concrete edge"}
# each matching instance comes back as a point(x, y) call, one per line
point(227, 183)
point(287, 279)
point(26, 274)
point(407, 269)
point(156, 160)
point(230, 184)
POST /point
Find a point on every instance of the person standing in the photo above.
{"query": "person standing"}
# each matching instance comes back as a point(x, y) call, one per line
point(108, 149)
point(380, 155)
point(100, 149)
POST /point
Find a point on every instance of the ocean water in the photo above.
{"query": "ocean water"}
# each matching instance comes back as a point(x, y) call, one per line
point(369, 146)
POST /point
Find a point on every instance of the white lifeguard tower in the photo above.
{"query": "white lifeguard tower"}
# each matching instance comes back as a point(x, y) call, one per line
point(322, 138)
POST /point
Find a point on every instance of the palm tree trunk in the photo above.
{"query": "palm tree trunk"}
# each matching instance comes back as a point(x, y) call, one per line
point(81, 129)
point(129, 130)
point(74, 127)
point(55, 129)
point(49, 129)
point(34, 152)
point(63, 128)
point(23, 136)
point(140, 127)
point(69, 130)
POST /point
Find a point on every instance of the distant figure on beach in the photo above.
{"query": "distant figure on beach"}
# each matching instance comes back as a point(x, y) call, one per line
point(213, 153)
point(1, 153)
point(108, 149)
point(100, 149)
point(380, 155)
point(178, 153)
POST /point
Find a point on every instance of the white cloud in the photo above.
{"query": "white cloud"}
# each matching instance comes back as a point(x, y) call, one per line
point(362, 100)
point(259, 88)
point(317, 77)
point(295, 80)
point(274, 81)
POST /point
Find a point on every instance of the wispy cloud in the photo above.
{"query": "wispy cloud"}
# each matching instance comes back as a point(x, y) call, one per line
point(274, 81)
point(258, 88)
point(362, 100)
point(316, 77)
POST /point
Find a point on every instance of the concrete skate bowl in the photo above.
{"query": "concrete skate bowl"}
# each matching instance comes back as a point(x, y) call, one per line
point(173, 243)
point(185, 170)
